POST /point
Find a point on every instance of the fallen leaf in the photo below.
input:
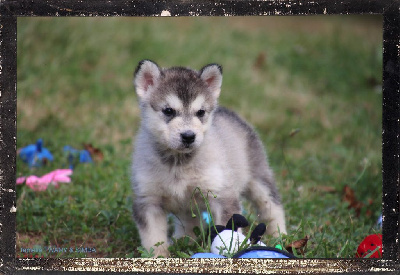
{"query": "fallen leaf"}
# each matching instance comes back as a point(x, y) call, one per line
point(260, 61)
point(294, 132)
point(368, 213)
point(299, 245)
point(294, 111)
point(37, 92)
point(370, 201)
point(338, 139)
point(96, 153)
point(350, 198)
point(372, 81)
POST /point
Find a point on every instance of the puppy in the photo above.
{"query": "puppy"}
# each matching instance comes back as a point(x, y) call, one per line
point(187, 141)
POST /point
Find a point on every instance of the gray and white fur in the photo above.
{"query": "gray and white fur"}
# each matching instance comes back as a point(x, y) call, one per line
point(186, 141)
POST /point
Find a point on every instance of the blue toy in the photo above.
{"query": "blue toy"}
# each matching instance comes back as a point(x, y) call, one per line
point(206, 217)
point(379, 222)
point(35, 154)
point(263, 252)
point(226, 241)
point(74, 154)
point(254, 252)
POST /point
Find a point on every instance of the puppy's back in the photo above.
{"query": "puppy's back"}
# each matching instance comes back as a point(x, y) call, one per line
point(240, 143)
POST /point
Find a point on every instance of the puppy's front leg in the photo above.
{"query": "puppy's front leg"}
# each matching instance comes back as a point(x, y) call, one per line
point(151, 221)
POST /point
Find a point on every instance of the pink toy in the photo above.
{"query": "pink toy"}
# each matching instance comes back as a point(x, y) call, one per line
point(41, 183)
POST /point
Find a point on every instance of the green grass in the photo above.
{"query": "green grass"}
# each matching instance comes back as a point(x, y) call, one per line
point(321, 75)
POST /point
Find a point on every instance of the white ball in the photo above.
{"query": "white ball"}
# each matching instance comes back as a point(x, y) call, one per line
point(229, 241)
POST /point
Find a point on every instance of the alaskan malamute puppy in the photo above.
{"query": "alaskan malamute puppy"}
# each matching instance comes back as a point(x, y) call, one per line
point(186, 141)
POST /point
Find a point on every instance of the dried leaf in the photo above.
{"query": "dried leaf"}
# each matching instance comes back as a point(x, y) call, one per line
point(294, 132)
point(96, 153)
point(350, 198)
point(299, 245)
point(338, 139)
point(370, 201)
point(260, 61)
point(37, 92)
point(372, 81)
point(294, 111)
point(368, 213)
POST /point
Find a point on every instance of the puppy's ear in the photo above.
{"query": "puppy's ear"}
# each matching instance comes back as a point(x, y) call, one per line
point(212, 76)
point(147, 75)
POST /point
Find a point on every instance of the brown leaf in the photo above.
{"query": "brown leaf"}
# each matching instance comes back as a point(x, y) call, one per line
point(370, 201)
point(372, 81)
point(298, 245)
point(338, 139)
point(96, 153)
point(294, 111)
point(294, 132)
point(350, 198)
point(37, 92)
point(260, 61)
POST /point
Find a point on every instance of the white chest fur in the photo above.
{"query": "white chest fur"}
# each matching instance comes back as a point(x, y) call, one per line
point(179, 182)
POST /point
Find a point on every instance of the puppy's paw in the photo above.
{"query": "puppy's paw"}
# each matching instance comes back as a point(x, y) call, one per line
point(161, 250)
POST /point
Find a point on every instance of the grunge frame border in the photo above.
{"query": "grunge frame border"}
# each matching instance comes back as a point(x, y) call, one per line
point(390, 9)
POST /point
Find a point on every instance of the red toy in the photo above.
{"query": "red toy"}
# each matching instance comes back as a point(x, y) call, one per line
point(369, 244)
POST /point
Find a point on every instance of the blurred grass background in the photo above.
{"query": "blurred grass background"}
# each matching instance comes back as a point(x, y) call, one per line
point(319, 74)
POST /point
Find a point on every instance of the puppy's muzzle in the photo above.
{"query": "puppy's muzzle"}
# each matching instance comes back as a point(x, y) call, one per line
point(188, 137)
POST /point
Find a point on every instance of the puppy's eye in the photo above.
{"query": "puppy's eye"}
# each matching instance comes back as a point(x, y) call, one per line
point(200, 113)
point(169, 112)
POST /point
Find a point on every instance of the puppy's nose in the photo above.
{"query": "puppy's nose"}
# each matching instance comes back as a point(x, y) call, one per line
point(188, 137)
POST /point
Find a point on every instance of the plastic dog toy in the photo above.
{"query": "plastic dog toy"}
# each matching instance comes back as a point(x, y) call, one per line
point(74, 154)
point(226, 240)
point(369, 244)
point(52, 178)
point(35, 154)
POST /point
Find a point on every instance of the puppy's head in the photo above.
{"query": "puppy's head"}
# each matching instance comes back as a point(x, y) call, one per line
point(177, 104)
